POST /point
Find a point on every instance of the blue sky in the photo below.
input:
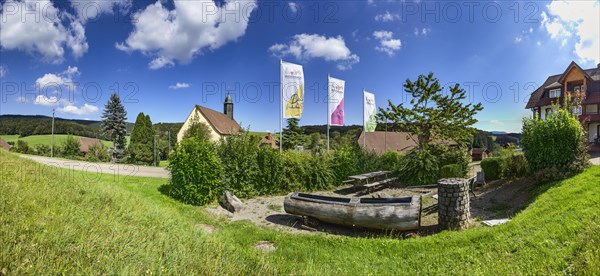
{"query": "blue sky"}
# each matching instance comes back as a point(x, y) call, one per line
point(164, 57)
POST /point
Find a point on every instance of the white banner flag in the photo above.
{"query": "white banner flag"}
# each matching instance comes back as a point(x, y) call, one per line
point(370, 110)
point(335, 103)
point(292, 87)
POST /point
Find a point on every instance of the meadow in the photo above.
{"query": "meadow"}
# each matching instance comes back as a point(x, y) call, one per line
point(34, 140)
point(56, 221)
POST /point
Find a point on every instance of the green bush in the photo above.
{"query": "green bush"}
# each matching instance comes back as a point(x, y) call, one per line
point(515, 166)
point(270, 177)
point(451, 156)
point(70, 147)
point(43, 150)
point(307, 172)
point(21, 147)
point(557, 142)
point(238, 154)
point(420, 167)
point(97, 153)
point(344, 163)
point(492, 167)
point(452, 170)
point(195, 172)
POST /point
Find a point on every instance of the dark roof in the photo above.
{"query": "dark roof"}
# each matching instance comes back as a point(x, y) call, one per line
point(85, 143)
point(381, 141)
point(4, 144)
point(534, 99)
point(479, 150)
point(219, 121)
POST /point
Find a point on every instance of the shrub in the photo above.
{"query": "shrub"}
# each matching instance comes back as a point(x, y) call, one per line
point(70, 148)
point(43, 150)
point(450, 156)
point(556, 142)
point(390, 161)
point(306, 171)
point(344, 163)
point(238, 154)
point(452, 170)
point(195, 172)
point(21, 147)
point(515, 166)
point(420, 167)
point(492, 167)
point(97, 153)
point(269, 177)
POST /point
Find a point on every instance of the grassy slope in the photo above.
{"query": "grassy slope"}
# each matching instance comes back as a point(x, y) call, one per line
point(56, 221)
point(34, 140)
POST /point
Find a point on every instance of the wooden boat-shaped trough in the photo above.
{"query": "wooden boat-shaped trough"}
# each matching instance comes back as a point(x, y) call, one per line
point(400, 213)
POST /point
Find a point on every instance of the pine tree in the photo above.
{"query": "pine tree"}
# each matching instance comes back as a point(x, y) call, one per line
point(113, 125)
point(141, 141)
point(293, 134)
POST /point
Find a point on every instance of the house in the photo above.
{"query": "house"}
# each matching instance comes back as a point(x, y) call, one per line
point(4, 144)
point(574, 80)
point(219, 124)
point(85, 143)
point(268, 141)
point(478, 154)
point(381, 142)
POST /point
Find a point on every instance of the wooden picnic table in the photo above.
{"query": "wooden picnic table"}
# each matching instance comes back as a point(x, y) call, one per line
point(369, 179)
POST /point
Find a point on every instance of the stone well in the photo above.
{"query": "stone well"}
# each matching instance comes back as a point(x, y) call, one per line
point(453, 203)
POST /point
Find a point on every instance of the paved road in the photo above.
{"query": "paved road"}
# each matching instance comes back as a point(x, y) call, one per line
point(108, 168)
point(595, 158)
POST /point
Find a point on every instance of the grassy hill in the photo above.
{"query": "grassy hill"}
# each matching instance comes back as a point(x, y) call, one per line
point(46, 139)
point(59, 222)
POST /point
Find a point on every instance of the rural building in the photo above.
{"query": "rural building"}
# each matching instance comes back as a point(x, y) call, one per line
point(268, 141)
point(382, 142)
point(478, 154)
point(219, 124)
point(4, 144)
point(573, 81)
point(85, 143)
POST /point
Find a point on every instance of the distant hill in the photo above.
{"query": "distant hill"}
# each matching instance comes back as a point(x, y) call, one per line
point(27, 125)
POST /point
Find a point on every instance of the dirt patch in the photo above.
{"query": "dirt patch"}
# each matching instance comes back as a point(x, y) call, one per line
point(265, 246)
point(501, 199)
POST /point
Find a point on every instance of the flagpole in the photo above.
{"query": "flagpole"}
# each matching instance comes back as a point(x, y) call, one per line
point(364, 123)
point(328, 117)
point(280, 108)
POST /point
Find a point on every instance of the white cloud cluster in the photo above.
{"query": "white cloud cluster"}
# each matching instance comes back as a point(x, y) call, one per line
point(387, 17)
point(179, 85)
point(59, 80)
point(47, 101)
point(308, 46)
point(183, 32)
point(3, 71)
point(565, 20)
point(40, 28)
point(86, 109)
point(422, 31)
point(293, 7)
point(387, 43)
point(524, 35)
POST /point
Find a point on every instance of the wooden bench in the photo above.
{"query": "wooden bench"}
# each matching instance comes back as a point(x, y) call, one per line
point(381, 182)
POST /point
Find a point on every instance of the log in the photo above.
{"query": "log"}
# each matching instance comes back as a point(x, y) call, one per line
point(375, 213)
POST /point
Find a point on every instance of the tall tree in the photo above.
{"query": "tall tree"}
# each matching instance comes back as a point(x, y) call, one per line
point(432, 114)
point(141, 141)
point(113, 125)
point(198, 130)
point(293, 134)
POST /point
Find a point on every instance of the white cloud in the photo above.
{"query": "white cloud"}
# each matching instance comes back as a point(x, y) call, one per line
point(539, 43)
point(387, 43)
point(59, 80)
point(86, 109)
point(3, 71)
point(22, 99)
point(518, 39)
point(308, 46)
point(422, 31)
point(179, 85)
point(46, 101)
point(387, 17)
point(575, 19)
point(185, 31)
point(89, 10)
point(496, 122)
point(293, 7)
point(44, 35)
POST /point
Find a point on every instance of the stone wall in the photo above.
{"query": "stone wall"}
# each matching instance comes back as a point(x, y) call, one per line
point(453, 203)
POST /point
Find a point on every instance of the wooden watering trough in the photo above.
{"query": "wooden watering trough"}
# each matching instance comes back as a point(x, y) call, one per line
point(400, 213)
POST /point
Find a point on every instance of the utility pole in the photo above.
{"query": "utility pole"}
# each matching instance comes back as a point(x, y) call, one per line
point(169, 135)
point(52, 148)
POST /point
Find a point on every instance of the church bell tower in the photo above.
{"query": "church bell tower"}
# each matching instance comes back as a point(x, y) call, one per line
point(228, 106)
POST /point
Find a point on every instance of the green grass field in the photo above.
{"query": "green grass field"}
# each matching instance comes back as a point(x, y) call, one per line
point(58, 222)
point(34, 140)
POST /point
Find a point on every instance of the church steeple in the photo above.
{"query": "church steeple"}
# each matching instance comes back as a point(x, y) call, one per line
point(228, 106)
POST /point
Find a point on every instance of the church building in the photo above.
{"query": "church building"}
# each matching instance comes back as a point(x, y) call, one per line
point(219, 124)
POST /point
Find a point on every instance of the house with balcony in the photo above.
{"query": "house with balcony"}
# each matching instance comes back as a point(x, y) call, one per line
point(574, 80)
